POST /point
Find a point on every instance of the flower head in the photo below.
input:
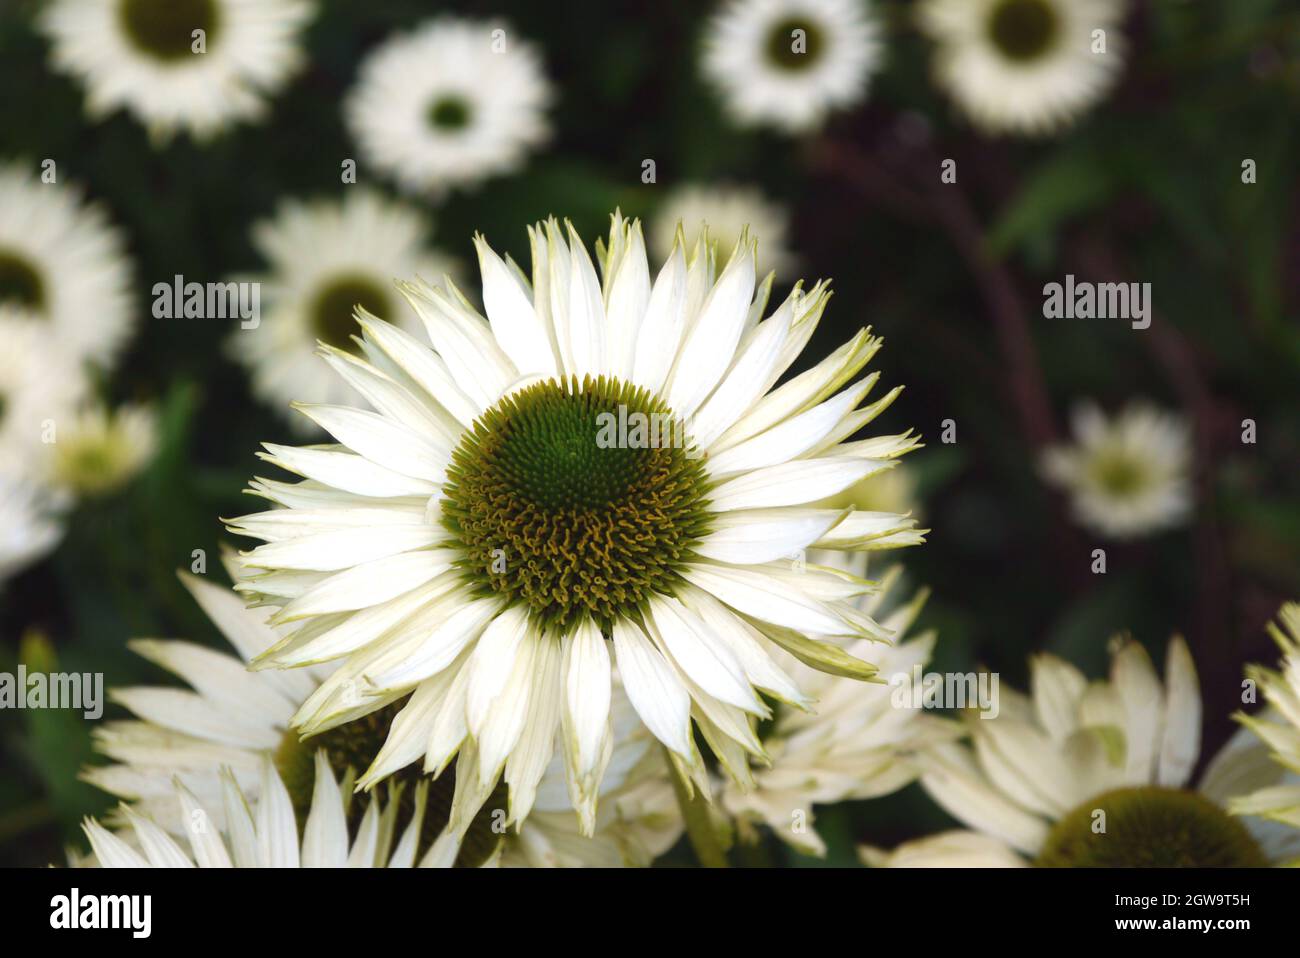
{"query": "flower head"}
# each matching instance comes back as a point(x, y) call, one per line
point(99, 450)
point(1038, 777)
point(598, 474)
point(63, 267)
point(790, 63)
point(450, 103)
point(1128, 476)
point(196, 65)
point(1025, 66)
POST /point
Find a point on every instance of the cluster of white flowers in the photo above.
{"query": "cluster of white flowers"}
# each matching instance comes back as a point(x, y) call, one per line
point(65, 314)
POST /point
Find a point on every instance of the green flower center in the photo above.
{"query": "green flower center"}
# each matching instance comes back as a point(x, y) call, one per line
point(354, 746)
point(20, 282)
point(1119, 474)
point(449, 113)
point(164, 29)
point(1150, 827)
point(794, 44)
point(1024, 29)
point(332, 310)
point(578, 500)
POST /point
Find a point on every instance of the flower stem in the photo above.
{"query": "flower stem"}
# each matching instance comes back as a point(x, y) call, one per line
point(699, 825)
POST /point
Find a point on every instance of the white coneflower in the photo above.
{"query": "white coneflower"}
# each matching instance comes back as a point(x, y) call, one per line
point(599, 472)
point(1039, 775)
point(63, 265)
point(196, 65)
point(450, 103)
point(849, 740)
point(1128, 476)
point(29, 525)
point(1025, 66)
point(214, 742)
point(727, 211)
point(325, 259)
point(99, 450)
point(790, 63)
point(1272, 791)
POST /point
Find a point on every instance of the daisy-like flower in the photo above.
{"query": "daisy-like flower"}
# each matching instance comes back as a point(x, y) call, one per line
point(1266, 795)
point(790, 63)
point(859, 741)
point(230, 736)
point(599, 473)
point(196, 65)
point(1025, 66)
point(1094, 774)
point(99, 450)
point(63, 265)
point(1128, 476)
point(727, 211)
point(450, 103)
point(29, 525)
point(325, 259)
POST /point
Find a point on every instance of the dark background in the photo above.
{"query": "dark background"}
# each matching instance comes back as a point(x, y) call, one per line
point(1147, 188)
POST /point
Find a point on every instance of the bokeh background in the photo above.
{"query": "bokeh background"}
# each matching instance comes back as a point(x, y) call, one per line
point(1145, 188)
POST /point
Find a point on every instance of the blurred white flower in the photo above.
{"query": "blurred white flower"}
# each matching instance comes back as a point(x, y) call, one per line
point(325, 259)
point(1025, 66)
point(847, 740)
point(727, 210)
point(63, 266)
point(790, 63)
point(1039, 776)
point(148, 57)
point(450, 103)
point(99, 450)
point(215, 741)
point(1128, 476)
point(30, 526)
point(1265, 795)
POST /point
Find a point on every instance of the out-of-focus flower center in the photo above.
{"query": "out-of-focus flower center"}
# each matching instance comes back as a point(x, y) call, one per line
point(794, 44)
point(351, 747)
point(1149, 827)
point(1119, 474)
point(1024, 29)
point(20, 282)
point(164, 29)
point(449, 113)
point(577, 500)
point(331, 310)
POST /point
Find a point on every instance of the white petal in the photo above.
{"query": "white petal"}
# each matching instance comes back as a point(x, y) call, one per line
point(522, 336)
point(655, 692)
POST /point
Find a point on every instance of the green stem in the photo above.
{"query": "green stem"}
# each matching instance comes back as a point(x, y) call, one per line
point(699, 825)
